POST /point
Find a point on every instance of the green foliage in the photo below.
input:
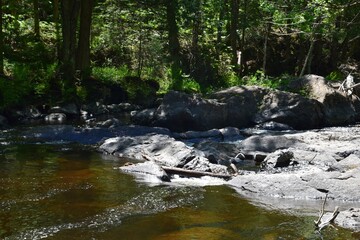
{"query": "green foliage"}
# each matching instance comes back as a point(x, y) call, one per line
point(28, 83)
point(189, 85)
point(110, 74)
point(335, 76)
point(137, 89)
point(260, 79)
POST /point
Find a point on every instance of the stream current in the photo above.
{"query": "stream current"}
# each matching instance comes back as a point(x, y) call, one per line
point(69, 191)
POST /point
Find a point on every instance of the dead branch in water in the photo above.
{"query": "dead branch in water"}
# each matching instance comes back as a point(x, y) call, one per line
point(192, 173)
point(321, 222)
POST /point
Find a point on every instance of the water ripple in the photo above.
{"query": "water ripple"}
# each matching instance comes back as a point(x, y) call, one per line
point(151, 201)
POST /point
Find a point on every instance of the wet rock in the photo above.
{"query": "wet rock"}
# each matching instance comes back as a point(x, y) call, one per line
point(274, 126)
point(3, 122)
point(122, 107)
point(55, 118)
point(69, 109)
point(144, 117)
point(218, 152)
point(110, 123)
point(279, 158)
point(95, 109)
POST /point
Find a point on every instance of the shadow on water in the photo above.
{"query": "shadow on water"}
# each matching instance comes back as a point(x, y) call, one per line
point(72, 192)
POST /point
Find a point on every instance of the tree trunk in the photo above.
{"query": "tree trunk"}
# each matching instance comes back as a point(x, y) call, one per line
point(70, 11)
point(195, 61)
point(36, 19)
point(220, 23)
point(57, 28)
point(233, 31)
point(174, 44)
point(267, 32)
point(308, 58)
point(1, 40)
point(83, 50)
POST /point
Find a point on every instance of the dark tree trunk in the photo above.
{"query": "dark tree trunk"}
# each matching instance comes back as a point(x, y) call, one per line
point(233, 31)
point(83, 50)
point(174, 44)
point(57, 27)
point(36, 19)
point(266, 39)
point(1, 40)
point(220, 28)
point(69, 12)
point(195, 60)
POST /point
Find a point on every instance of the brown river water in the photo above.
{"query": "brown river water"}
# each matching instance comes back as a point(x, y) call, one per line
point(68, 191)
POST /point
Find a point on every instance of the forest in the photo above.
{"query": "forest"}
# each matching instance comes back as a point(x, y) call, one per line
point(78, 50)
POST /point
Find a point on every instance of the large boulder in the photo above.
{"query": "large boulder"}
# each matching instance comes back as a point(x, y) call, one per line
point(237, 107)
point(291, 109)
point(337, 107)
point(161, 149)
point(180, 112)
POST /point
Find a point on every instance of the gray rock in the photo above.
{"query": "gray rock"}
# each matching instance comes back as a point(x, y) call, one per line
point(274, 126)
point(69, 109)
point(237, 107)
point(55, 118)
point(291, 109)
point(159, 148)
point(263, 143)
point(213, 133)
point(143, 117)
point(110, 123)
point(279, 158)
point(218, 152)
point(337, 108)
point(349, 218)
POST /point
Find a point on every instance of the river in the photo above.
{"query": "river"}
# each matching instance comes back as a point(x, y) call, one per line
point(69, 191)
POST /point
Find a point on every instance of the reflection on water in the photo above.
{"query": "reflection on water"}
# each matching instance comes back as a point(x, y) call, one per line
point(69, 192)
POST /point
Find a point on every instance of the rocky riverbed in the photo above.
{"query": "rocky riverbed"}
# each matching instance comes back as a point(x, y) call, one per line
point(280, 151)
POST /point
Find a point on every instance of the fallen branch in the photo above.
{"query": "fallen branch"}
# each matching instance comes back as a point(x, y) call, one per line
point(192, 173)
point(321, 222)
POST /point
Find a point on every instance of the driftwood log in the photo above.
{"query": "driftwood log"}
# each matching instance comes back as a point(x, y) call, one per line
point(192, 173)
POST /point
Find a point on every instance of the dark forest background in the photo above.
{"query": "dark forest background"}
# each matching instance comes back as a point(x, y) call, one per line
point(80, 50)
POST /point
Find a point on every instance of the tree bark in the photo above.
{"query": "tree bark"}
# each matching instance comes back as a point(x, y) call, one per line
point(308, 58)
point(1, 40)
point(233, 30)
point(267, 32)
point(69, 12)
point(83, 49)
point(57, 28)
point(174, 44)
point(36, 19)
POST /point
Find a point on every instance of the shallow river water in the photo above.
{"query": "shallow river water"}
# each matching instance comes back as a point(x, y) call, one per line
point(57, 191)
